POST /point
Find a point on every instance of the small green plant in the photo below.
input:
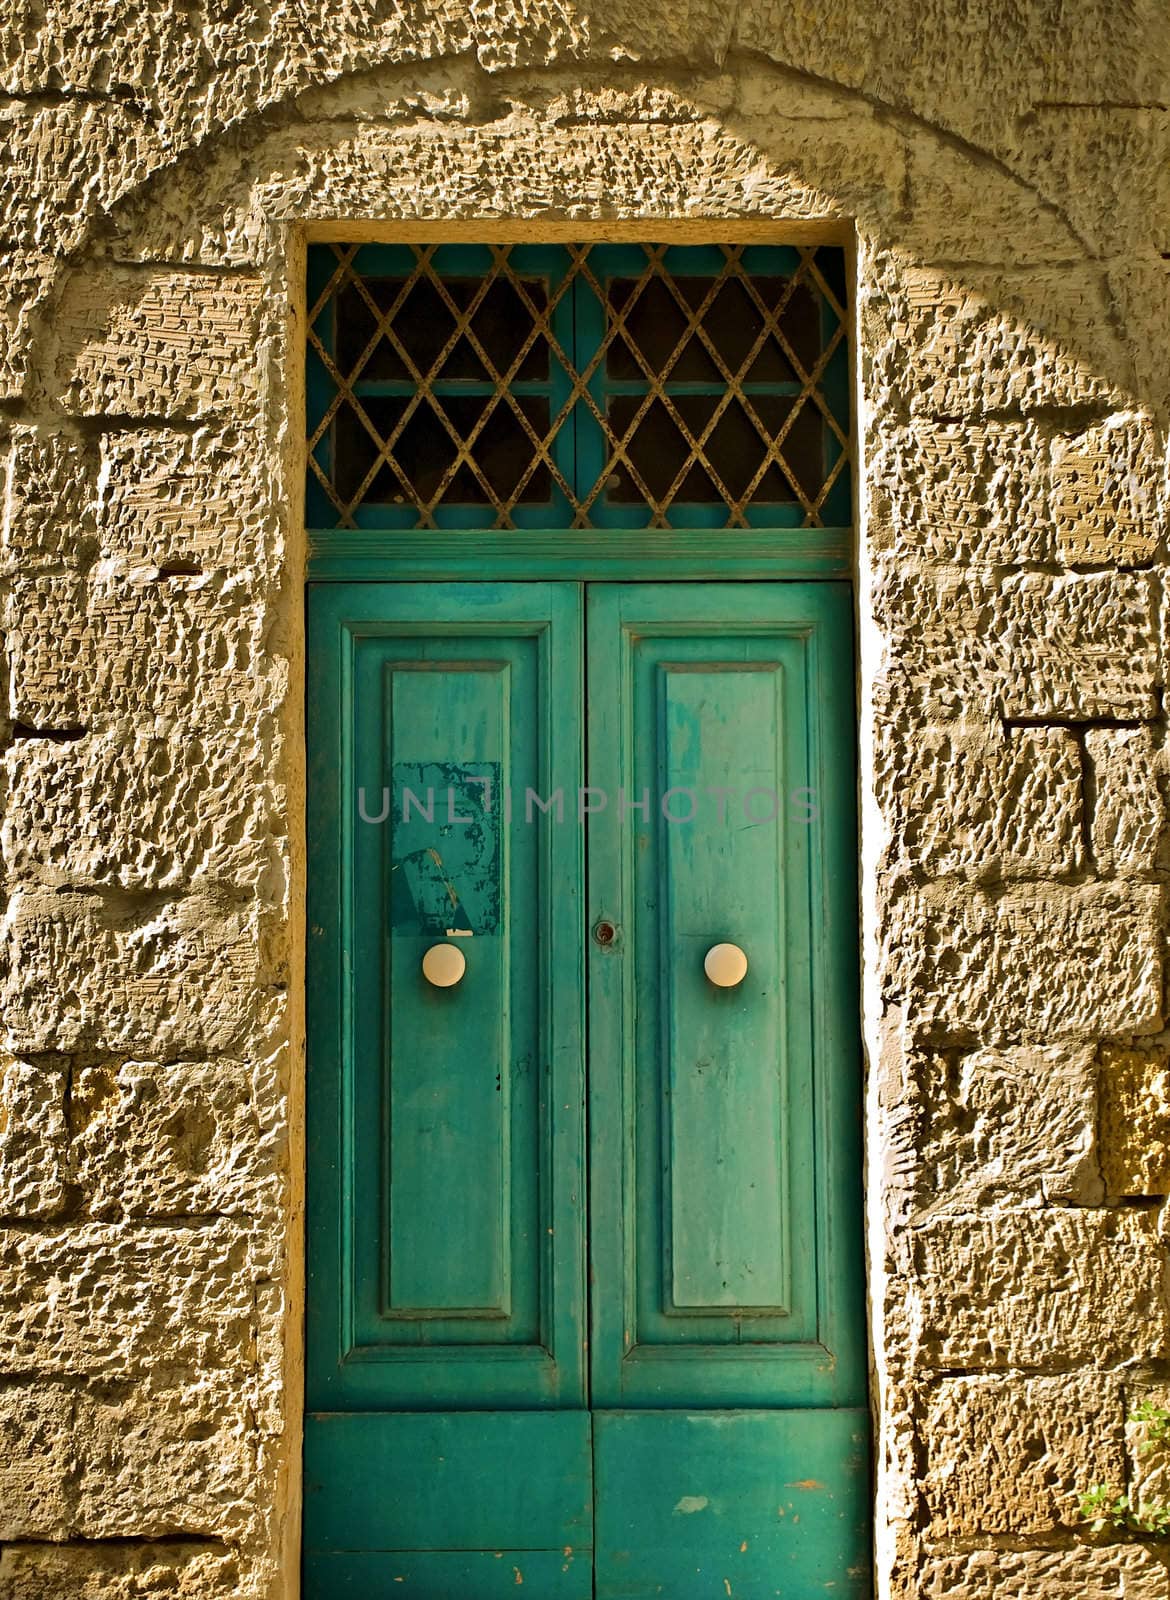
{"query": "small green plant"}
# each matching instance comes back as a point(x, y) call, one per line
point(1107, 1507)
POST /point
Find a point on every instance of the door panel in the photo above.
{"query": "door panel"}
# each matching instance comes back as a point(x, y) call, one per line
point(446, 1162)
point(743, 1503)
point(445, 1124)
point(724, 1122)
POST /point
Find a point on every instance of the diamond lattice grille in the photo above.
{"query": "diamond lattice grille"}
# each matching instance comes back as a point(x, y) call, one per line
point(565, 386)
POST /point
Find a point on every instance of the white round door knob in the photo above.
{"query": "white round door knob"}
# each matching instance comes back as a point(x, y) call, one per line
point(725, 965)
point(444, 965)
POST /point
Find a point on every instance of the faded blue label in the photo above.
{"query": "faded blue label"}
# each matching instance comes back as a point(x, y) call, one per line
point(445, 857)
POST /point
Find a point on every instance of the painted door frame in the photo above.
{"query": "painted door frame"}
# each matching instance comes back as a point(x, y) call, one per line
point(600, 555)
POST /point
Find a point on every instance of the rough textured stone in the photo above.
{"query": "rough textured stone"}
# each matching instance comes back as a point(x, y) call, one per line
point(1135, 1121)
point(1118, 1572)
point(150, 1139)
point(160, 344)
point(129, 974)
point(982, 802)
point(33, 1138)
point(124, 1460)
point(50, 486)
point(1126, 771)
point(1075, 647)
point(1030, 961)
point(104, 1572)
point(113, 1301)
point(129, 808)
point(1148, 1458)
point(1041, 1289)
point(173, 500)
point(1108, 493)
point(1011, 1456)
point(82, 650)
point(968, 491)
point(993, 341)
point(1006, 1126)
point(520, 166)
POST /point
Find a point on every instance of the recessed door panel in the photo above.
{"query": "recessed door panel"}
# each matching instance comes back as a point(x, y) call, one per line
point(447, 1195)
point(724, 1129)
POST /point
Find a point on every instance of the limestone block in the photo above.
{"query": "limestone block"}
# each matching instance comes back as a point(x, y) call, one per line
point(62, 163)
point(1074, 647)
point(32, 1137)
point(208, 500)
point(970, 70)
point(962, 209)
point(170, 1571)
point(536, 32)
point(96, 45)
point(1014, 1456)
point(1041, 1288)
point(1006, 341)
point(1126, 768)
point(1112, 1572)
point(1009, 1126)
point(50, 488)
point(982, 802)
point(169, 1139)
point(130, 808)
point(265, 53)
point(1109, 493)
point(515, 167)
point(114, 1461)
point(1044, 962)
point(1139, 286)
point(593, 97)
point(81, 652)
point(967, 491)
point(1148, 1456)
point(1074, 154)
point(1135, 1121)
point(117, 1300)
point(149, 975)
point(25, 290)
point(160, 344)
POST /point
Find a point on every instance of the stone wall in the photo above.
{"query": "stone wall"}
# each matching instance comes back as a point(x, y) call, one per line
point(1005, 171)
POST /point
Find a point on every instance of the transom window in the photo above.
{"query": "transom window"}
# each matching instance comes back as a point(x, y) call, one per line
point(577, 386)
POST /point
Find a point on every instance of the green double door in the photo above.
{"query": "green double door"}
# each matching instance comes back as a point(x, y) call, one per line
point(585, 1278)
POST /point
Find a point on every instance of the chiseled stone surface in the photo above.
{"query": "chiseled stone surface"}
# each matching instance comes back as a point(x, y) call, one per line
point(1030, 961)
point(1127, 774)
point(161, 1139)
point(1011, 1456)
point(1003, 171)
point(114, 1572)
point(125, 1460)
point(131, 973)
point(1041, 1289)
point(129, 807)
point(1135, 1121)
point(113, 1300)
point(81, 649)
point(985, 802)
point(33, 1137)
point(1114, 1572)
point(1009, 1126)
point(157, 344)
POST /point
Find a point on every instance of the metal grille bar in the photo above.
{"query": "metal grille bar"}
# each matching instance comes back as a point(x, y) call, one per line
point(577, 386)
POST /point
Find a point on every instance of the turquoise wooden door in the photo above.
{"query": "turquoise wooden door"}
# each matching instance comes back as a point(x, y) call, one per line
point(523, 773)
